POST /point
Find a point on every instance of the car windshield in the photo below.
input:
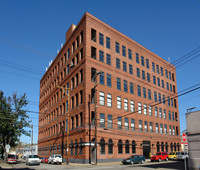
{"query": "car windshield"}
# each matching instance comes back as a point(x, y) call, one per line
point(177, 153)
point(57, 156)
point(158, 153)
point(33, 156)
point(11, 156)
point(130, 156)
point(171, 153)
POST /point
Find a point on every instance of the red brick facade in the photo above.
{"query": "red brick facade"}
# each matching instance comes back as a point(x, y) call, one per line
point(137, 79)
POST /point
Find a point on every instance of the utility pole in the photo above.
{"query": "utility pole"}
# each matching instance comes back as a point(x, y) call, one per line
point(31, 126)
point(67, 94)
point(95, 101)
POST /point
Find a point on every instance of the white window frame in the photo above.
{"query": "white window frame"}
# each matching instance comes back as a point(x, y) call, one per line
point(132, 105)
point(109, 100)
point(139, 108)
point(145, 109)
point(119, 102)
point(126, 104)
point(101, 98)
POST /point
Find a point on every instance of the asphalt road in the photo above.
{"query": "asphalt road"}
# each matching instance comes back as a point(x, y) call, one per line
point(170, 165)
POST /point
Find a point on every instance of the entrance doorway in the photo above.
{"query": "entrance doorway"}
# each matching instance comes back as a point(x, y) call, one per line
point(146, 148)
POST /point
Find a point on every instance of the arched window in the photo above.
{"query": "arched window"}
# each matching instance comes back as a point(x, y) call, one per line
point(120, 148)
point(76, 147)
point(55, 148)
point(59, 148)
point(178, 145)
point(110, 146)
point(175, 146)
point(102, 146)
point(166, 146)
point(171, 146)
point(158, 147)
point(162, 146)
point(127, 146)
point(133, 147)
point(81, 147)
point(71, 146)
point(66, 148)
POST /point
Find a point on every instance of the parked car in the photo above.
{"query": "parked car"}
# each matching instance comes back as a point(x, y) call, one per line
point(33, 160)
point(11, 159)
point(44, 160)
point(160, 156)
point(182, 156)
point(172, 155)
point(134, 159)
point(55, 159)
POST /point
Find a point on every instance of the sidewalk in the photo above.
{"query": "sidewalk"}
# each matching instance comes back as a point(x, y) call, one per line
point(4, 165)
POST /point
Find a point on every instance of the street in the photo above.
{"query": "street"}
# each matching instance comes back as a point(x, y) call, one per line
point(172, 165)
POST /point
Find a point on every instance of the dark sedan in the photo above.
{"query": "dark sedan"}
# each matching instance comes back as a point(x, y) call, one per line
point(134, 159)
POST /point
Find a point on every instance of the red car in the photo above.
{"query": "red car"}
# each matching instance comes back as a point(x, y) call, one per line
point(160, 156)
point(11, 159)
point(44, 160)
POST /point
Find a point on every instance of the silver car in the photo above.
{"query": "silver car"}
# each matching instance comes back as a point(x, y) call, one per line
point(182, 156)
point(55, 159)
point(33, 160)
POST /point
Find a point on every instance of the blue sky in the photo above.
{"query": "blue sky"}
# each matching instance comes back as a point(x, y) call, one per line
point(32, 31)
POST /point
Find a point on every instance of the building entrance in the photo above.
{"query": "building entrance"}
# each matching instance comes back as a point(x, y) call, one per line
point(146, 148)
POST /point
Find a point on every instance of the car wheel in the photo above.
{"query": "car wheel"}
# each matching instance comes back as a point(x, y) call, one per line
point(166, 159)
point(152, 161)
point(60, 163)
point(159, 160)
point(142, 161)
point(132, 162)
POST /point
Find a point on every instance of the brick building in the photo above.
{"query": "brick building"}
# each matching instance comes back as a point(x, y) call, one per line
point(137, 111)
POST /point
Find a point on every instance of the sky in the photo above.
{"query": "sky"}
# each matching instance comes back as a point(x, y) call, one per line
point(31, 31)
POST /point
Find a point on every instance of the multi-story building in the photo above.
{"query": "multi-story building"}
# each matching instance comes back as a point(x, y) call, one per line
point(136, 91)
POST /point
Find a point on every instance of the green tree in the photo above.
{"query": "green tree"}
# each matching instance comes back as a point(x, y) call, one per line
point(13, 119)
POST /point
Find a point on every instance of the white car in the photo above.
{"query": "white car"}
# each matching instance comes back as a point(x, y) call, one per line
point(33, 160)
point(55, 159)
point(182, 156)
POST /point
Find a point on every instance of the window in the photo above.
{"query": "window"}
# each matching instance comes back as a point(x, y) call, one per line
point(124, 51)
point(68, 54)
point(81, 96)
point(139, 108)
point(157, 130)
point(147, 63)
point(118, 63)
point(118, 83)
point(170, 75)
point(160, 112)
point(138, 72)
point(126, 104)
point(159, 98)
point(93, 52)
point(166, 74)
point(173, 130)
point(157, 67)
point(145, 126)
point(163, 86)
point(126, 124)
point(102, 120)
point(101, 39)
point(93, 35)
point(102, 146)
point(169, 115)
point(120, 147)
point(158, 80)
point(110, 123)
point(173, 116)
point(119, 122)
point(150, 111)
point(116, 47)
point(154, 79)
point(137, 58)
point(153, 67)
point(170, 130)
point(109, 100)
point(133, 124)
point(131, 88)
point(127, 147)
point(81, 147)
point(161, 71)
point(165, 129)
point(101, 78)
point(93, 74)
point(144, 93)
point(101, 56)
point(151, 127)
point(130, 69)
point(145, 109)
point(109, 82)
point(130, 54)
point(108, 42)
point(167, 86)
point(142, 60)
point(148, 77)
point(133, 147)
point(125, 86)
point(110, 146)
point(119, 103)
point(140, 125)
point(139, 90)
point(132, 106)
point(155, 96)
point(156, 112)
point(124, 66)
point(161, 128)
point(168, 99)
point(101, 98)
point(149, 94)
point(171, 87)
point(108, 59)
point(164, 114)
point(163, 99)
point(143, 74)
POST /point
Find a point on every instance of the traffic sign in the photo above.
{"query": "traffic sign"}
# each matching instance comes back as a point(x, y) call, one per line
point(184, 137)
